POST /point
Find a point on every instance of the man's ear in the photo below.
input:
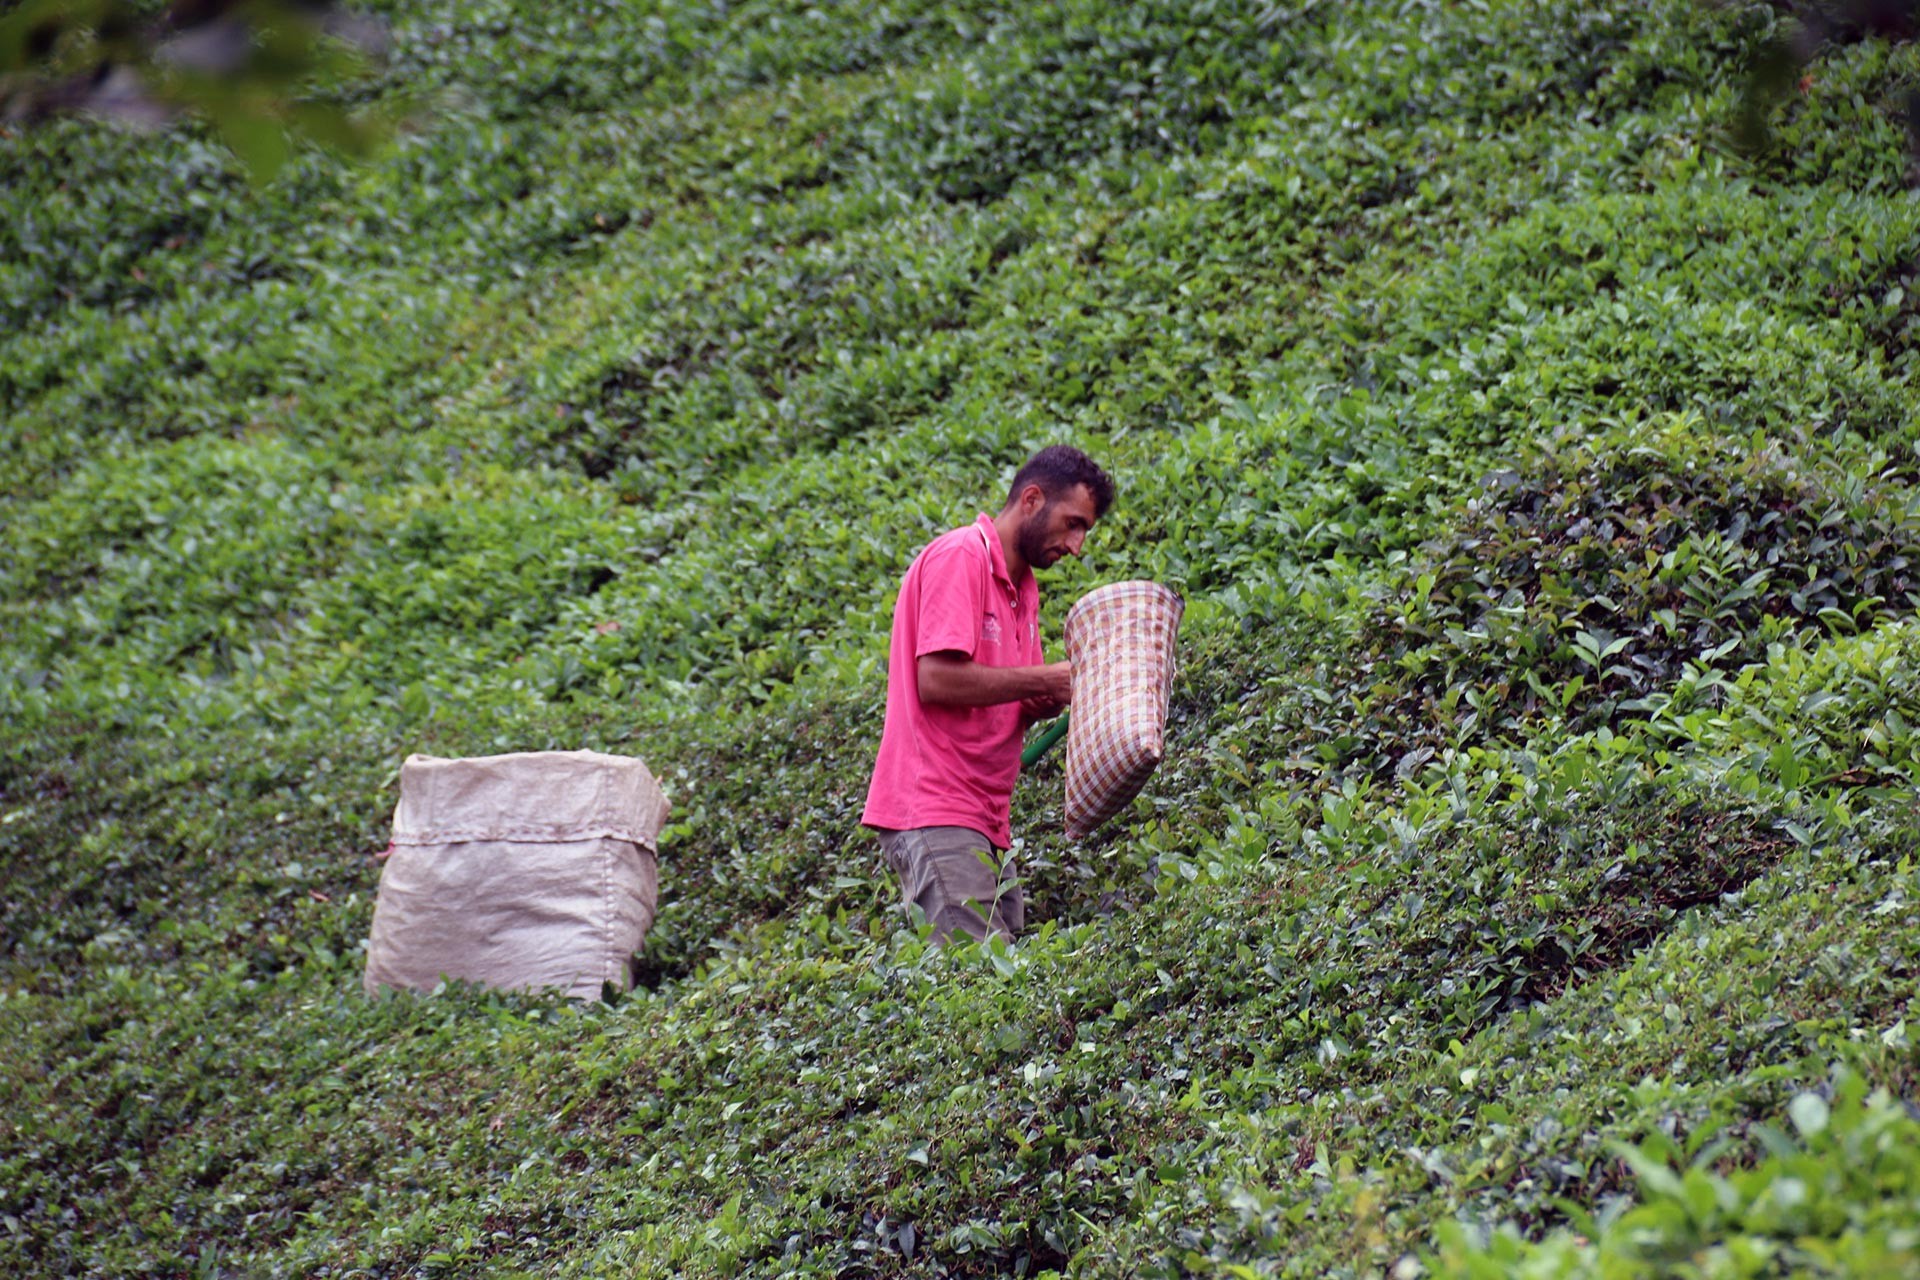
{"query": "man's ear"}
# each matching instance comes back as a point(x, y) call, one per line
point(1032, 499)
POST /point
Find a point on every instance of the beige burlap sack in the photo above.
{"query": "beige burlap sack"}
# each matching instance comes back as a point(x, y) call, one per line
point(528, 871)
point(1120, 639)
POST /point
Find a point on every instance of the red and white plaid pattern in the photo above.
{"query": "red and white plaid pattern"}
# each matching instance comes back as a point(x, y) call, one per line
point(1120, 639)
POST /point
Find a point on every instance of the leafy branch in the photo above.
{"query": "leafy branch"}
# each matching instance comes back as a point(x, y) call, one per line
point(248, 68)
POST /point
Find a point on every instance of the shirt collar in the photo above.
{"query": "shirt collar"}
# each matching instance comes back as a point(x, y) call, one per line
point(995, 551)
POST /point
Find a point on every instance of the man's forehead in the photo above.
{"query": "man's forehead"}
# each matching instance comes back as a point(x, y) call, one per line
point(1079, 501)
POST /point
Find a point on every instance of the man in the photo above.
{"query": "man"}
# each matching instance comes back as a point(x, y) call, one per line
point(965, 678)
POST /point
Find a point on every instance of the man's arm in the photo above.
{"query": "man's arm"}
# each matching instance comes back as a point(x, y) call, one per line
point(952, 679)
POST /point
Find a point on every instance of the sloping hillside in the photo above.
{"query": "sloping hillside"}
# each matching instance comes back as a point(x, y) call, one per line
point(1531, 886)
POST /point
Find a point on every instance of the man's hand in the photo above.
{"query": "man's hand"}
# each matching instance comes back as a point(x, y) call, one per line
point(1045, 706)
point(1034, 710)
point(949, 679)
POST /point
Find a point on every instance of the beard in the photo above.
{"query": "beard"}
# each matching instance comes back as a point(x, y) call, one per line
point(1032, 539)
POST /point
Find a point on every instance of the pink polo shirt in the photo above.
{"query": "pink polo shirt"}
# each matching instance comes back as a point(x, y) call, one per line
point(942, 766)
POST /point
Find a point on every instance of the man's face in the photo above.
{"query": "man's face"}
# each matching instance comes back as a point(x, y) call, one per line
point(1056, 527)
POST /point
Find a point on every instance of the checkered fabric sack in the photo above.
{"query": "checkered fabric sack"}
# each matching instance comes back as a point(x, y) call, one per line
point(1120, 639)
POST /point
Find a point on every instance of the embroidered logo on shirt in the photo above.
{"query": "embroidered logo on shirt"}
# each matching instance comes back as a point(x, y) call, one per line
point(992, 628)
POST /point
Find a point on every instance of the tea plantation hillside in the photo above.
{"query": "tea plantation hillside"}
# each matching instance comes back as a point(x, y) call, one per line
point(1530, 889)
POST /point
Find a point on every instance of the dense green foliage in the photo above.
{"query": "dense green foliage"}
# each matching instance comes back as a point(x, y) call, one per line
point(1530, 888)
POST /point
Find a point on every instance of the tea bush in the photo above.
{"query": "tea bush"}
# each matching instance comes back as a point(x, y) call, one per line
point(1828, 1199)
point(1583, 580)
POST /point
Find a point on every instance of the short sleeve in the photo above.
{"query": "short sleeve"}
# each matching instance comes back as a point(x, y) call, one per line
point(952, 600)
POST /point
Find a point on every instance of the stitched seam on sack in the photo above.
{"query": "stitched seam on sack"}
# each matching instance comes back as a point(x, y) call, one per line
point(519, 835)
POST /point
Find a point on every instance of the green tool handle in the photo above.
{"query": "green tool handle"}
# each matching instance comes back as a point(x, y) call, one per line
point(1044, 743)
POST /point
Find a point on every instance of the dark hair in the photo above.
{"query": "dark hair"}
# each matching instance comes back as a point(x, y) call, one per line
point(1057, 469)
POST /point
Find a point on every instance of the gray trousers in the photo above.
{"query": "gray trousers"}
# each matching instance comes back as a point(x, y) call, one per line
point(958, 879)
